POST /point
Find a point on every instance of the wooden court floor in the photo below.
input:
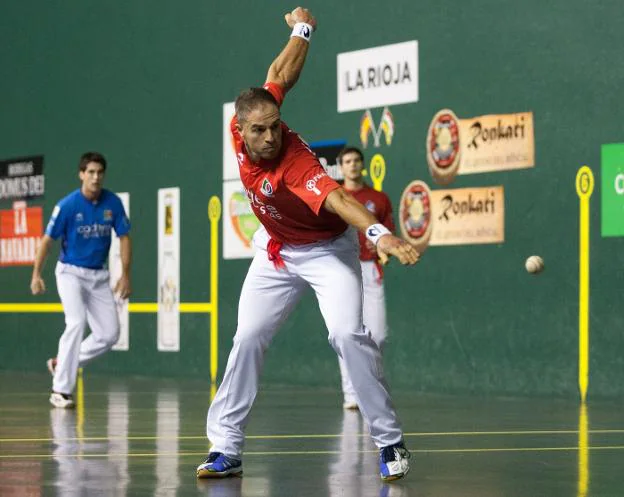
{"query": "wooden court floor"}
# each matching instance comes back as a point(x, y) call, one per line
point(139, 437)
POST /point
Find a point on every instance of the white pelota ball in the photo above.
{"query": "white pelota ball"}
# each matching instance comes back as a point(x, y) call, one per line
point(534, 264)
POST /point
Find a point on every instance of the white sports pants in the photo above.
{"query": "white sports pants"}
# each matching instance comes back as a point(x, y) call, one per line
point(374, 312)
point(87, 299)
point(332, 269)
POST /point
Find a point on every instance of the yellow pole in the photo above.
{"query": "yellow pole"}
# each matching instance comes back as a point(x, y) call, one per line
point(583, 453)
point(80, 404)
point(377, 170)
point(214, 214)
point(584, 189)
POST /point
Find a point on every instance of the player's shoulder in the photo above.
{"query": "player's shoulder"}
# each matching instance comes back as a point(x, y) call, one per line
point(110, 198)
point(69, 200)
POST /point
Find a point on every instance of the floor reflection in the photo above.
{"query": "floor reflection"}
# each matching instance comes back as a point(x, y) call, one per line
point(76, 472)
point(354, 472)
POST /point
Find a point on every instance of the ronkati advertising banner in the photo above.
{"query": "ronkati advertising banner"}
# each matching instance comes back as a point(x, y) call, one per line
point(481, 144)
point(115, 269)
point(169, 269)
point(463, 216)
point(466, 216)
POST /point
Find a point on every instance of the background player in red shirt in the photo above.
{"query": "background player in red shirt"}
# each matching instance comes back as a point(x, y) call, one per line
point(351, 162)
point(305, 241)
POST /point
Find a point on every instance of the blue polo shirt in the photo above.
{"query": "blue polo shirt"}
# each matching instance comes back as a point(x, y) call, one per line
point(85, 227)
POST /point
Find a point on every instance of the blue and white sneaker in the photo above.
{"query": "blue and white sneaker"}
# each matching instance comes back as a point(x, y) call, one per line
point(393, 462)
point(218, 465)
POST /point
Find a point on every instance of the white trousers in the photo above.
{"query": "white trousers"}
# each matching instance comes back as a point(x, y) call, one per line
point(87, 299)
point(374, 312)
point(333, 271)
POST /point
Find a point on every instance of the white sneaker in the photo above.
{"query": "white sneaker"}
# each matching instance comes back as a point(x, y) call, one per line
point(62, 400)
point(393, 462)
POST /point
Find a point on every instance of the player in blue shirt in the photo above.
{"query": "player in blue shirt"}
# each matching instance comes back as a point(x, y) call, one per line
point(84, 221)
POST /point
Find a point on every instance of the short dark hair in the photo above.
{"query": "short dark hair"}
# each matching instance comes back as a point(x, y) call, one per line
point(249, 99)
point(350, 150)
point(91, 157)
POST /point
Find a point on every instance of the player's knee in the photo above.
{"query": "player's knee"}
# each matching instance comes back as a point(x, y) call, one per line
point(112, 338)
point(251, 337)
point(76, 322)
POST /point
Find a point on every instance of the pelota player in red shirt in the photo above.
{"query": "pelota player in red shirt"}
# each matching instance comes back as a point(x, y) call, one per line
point(351, 162)
point(305, 240)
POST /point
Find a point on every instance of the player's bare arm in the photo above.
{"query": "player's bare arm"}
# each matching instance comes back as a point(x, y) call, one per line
point(343, 204)
point(123, 287)
point(286, 68)
point(37, 285)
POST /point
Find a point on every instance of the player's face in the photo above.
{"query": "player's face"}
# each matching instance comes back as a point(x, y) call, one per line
point(351, 166)
point(92, 178)
point(262, 132)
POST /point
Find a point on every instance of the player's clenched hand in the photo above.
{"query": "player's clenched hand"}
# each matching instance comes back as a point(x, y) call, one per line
point(402, 250)
point(122, 288)
point(37, 286)
point(300, 15)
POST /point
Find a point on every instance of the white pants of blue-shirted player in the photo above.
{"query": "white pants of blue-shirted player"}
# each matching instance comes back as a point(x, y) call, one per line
point(87, 300)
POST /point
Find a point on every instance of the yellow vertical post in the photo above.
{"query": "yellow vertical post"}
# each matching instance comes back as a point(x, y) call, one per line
point(80, 405)
point(584, 189)
point(214, 214)
point(583, 453)
point(377, 171)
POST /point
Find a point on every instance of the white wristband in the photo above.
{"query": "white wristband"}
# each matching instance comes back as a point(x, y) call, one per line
point(375, 231)
point(302, 30)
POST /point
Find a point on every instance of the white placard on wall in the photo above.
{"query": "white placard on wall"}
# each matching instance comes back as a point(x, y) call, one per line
point(230, 165)
point(114, 268)
point(378, 77)
point(168, 269)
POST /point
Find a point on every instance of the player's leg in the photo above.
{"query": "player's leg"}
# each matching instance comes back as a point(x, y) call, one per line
point(266, 299)
point(374, 308)
point(102, 318)
point(374, 315)
point(348, 392)
point(72, 294)
point(337, 280)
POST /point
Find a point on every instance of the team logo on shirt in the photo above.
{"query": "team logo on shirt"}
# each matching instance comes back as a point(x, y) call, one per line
point(311, 183)
point(370, 206)
point(267, 188)
point(108, 215)
point(79, 217)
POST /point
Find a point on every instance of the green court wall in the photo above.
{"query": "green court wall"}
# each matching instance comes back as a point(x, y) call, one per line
point(144, 82)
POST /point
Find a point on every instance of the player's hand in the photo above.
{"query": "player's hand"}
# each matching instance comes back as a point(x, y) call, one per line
point(37, 285)
point(122, 288)
point(300, 15)
point(391, 245)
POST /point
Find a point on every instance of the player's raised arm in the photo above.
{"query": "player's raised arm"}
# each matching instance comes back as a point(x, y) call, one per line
point(352, 212)
point(286, 68)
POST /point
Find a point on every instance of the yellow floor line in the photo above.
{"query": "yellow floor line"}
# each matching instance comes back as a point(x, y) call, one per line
point(319, 436)
point(307, 452)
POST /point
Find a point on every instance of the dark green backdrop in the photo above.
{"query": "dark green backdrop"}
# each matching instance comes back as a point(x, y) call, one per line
point(144, 82)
